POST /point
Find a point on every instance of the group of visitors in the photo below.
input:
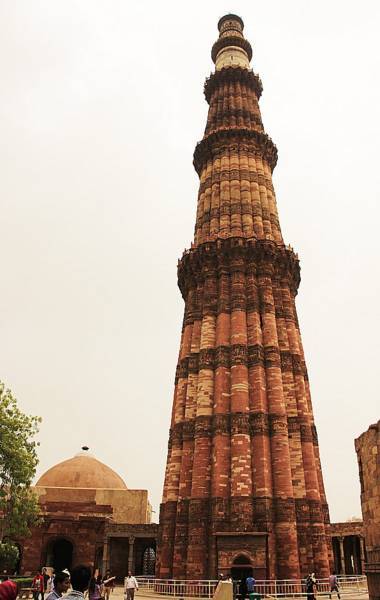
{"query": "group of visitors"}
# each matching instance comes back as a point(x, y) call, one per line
point(312, 588)
point(43, 582)
point(100, 587)
point(84, 583)
point(81, 582)
point(246, 587)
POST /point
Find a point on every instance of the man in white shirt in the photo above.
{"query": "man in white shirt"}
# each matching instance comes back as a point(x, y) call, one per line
point(130, 586)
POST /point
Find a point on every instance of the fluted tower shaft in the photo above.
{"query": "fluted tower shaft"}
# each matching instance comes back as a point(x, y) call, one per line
point(243, 480)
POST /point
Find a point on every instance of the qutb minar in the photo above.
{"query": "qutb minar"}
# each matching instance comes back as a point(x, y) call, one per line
point(243, 485)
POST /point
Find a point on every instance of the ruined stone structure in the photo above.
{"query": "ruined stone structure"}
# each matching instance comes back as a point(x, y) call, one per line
point(243, 485)
point(368, 453)
point(348, 545)
point(88, 515)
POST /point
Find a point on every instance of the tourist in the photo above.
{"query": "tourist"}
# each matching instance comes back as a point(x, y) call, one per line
point(80, 578)
point(46, 577)
point(243, 589)
point(38, 585)
point(8, 590)
point(94, 590)
point(334, 587)
point(50, 583)
point(311, 587)
point(131, 586)
point(108, 584)
point(251, 582)
point(61, 585)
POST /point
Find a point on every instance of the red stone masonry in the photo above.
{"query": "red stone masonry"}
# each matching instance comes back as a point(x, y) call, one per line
point(243, 452)
point(367, 448)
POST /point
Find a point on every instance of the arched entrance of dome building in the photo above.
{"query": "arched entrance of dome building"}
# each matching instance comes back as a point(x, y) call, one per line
point(241, 567)
point(59, 554)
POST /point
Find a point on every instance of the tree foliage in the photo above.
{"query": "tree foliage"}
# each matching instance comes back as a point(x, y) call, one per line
point(18, 462)
point(9, 555)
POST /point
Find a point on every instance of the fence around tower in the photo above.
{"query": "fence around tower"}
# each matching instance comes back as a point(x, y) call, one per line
point(354, 587)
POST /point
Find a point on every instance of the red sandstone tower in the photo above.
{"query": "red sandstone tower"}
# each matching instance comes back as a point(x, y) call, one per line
point(243, 483)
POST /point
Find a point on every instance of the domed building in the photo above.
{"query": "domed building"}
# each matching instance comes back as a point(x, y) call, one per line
point(82, 471)
point(89, 515)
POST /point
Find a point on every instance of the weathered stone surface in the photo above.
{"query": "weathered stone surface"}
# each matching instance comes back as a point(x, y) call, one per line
point(368, 452)
point(79, 499)
point(243, 471)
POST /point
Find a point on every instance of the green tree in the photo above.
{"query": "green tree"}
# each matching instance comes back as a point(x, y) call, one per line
point(18, 461)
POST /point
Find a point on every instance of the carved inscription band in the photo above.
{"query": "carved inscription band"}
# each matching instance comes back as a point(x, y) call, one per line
point(258, 423)
point(239, 354)
point(264, 510)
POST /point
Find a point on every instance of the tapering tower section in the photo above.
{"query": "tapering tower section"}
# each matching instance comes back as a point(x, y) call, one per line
point(243, 485)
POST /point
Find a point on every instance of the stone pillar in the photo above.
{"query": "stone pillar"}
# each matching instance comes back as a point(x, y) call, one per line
point(105, 565)
point(362, 554)
point(342, 559)
point(131, 556)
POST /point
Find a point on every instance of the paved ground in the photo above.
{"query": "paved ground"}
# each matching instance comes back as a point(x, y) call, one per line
point(144, 595)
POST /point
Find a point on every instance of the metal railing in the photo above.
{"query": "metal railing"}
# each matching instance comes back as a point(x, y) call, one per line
point(181, 588)
point(354, 587)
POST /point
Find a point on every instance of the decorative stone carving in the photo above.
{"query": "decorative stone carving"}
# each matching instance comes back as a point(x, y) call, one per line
point(247, 455)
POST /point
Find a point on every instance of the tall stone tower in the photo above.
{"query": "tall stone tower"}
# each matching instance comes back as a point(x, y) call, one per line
point(243, 484)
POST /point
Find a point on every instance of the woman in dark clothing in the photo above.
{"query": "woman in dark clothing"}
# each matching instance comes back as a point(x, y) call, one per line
point(243, 589)
point(311, 587)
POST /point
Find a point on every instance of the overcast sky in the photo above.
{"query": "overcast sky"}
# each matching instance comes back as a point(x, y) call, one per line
point(101, 107)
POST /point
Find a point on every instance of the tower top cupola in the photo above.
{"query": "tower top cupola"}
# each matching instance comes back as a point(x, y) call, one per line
point(231, 49)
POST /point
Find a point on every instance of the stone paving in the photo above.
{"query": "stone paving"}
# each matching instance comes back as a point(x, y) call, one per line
point(118, 594)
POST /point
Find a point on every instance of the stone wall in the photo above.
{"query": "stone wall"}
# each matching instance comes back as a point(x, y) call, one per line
point(368, 452)
point(78, 516)
point(128, 506)
point(84, 534)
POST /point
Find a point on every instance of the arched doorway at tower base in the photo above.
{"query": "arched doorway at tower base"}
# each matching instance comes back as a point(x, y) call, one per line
point(241, 553)
point(241, 568)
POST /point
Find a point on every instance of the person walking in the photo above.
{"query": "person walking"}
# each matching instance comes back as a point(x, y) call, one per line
point(94, 589)
point(131, 586)
point(61, 585)
point(38, 585)
point(311, 587)
point(334, 587)
point(108, 584)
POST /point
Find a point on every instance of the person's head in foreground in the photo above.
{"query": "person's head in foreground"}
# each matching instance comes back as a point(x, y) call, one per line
point(8, 590)
point(61, 583)
point(80, 578)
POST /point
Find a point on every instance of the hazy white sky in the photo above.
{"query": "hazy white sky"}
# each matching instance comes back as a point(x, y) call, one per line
point(101, 107)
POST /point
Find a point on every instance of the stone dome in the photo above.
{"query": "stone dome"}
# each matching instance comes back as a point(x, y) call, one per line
point(82, 471)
